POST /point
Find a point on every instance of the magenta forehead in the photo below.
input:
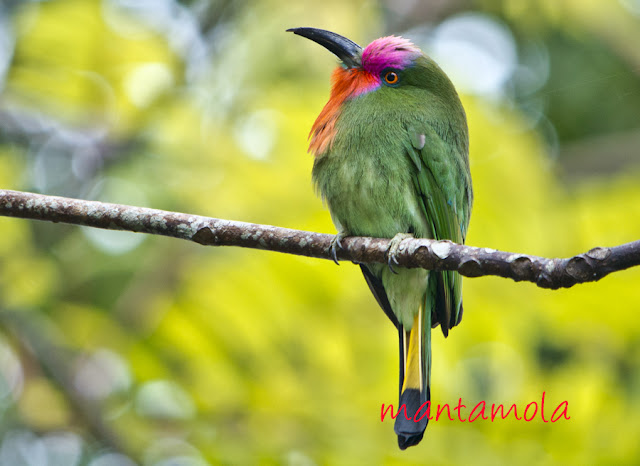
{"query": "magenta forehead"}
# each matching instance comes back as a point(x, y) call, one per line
point(389, 52)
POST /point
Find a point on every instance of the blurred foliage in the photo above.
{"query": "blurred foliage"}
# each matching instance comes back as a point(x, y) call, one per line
point(119, 349)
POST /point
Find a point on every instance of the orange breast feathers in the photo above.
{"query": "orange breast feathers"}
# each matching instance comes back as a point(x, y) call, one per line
point(345, 84)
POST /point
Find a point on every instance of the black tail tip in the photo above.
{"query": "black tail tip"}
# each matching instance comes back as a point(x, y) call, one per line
point(409, 440)
point(410, 427)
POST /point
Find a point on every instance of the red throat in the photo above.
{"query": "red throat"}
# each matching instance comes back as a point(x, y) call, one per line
point(346, 83)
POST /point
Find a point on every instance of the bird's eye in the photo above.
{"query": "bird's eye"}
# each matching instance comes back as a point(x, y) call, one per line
point(391, 77)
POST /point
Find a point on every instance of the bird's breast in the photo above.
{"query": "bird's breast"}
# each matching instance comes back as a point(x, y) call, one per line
point(366, 176)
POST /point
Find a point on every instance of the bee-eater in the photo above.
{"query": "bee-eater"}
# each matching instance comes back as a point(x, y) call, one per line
point(391, 160)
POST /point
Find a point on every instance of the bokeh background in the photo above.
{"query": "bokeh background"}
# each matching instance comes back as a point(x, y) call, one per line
point(120, 349)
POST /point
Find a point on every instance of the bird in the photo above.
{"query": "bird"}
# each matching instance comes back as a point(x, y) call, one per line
point(391, 160)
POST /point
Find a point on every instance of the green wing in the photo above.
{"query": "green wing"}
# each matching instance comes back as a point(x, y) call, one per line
point(443, 182)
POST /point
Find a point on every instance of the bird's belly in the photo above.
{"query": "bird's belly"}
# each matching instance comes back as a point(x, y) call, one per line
point(369, 199)
point(375, 196)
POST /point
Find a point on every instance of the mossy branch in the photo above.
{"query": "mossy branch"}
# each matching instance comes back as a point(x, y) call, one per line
point(429, 254)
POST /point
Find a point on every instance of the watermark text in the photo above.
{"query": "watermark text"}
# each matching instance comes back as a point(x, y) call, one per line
point(480, 411)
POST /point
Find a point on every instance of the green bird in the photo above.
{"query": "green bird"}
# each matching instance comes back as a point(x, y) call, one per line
point(391, 160)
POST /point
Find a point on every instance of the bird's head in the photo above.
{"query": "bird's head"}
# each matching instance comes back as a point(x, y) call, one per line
point(380, 63)
point(386, 63)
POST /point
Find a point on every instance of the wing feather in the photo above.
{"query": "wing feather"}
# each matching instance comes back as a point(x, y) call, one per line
point(443, 183)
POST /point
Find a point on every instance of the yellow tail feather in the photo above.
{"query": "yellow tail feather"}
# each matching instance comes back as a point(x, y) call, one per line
point(413, 355)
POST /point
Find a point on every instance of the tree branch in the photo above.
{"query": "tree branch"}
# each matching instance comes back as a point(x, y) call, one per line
point(429, 254)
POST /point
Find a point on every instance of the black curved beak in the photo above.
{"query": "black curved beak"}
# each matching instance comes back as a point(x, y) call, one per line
point(346, 50)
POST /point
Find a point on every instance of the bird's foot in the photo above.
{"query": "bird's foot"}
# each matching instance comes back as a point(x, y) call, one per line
point(394, 247)
point(335, 245)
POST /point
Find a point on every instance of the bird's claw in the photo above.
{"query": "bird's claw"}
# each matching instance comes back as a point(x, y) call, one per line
point(335, 245)
point(394, 247)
